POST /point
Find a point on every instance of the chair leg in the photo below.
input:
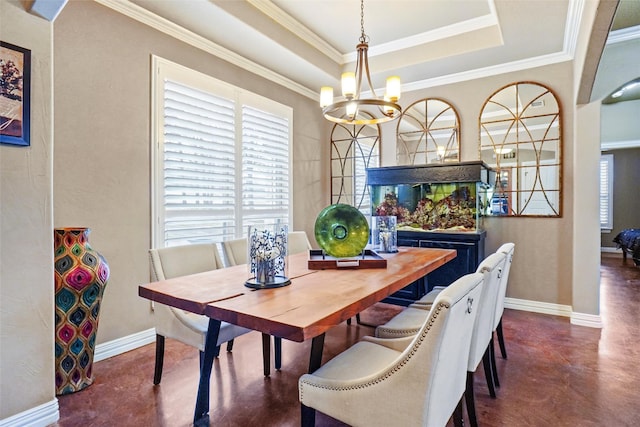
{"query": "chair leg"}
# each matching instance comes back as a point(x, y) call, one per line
point(229, 345)
point(494, 367)
point(470, 400)
point(157, 374)
point(458, 420)
point(358, 321)
point(307, 416)
point(277, 348)
point(503, 349)
point(266, 354)
point(216, 353)
point(486, 362)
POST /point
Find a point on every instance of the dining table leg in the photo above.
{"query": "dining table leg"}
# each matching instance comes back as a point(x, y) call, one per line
point(201, 415)
point(308, 415)
point(316, 353)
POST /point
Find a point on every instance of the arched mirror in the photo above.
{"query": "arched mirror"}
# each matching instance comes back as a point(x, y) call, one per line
point(520, 138)
point(428, 132)
point(354, 148)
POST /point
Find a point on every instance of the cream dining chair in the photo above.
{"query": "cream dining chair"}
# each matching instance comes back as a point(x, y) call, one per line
point(236, 252)
point(410, 381)
point(170, 322)
point(508, 249)
point(407, 322)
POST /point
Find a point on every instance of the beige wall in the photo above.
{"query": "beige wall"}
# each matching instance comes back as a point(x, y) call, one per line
point(101, 178)
point(102, 155)
point(541, 270)
point(26, 233)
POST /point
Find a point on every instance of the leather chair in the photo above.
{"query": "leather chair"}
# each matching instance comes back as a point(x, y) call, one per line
point(170, 322)
point(417, 380)
point(236, 251)
point(508, 249)
point(492, 268)
point(407, 321)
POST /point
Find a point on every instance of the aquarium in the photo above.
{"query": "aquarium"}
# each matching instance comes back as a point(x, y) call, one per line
point(447, 197)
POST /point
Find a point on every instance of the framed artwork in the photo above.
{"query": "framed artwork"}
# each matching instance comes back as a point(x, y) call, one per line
point(15, 92)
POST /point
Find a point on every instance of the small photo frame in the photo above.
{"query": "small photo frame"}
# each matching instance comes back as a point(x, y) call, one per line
point(15, 94)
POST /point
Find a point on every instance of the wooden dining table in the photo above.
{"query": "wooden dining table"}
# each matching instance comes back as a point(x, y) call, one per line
point(314, 302)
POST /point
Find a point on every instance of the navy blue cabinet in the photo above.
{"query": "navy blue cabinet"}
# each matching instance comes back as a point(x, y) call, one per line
point(470, 252)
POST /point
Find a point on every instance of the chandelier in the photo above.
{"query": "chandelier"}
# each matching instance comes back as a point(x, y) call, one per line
point(352, 109)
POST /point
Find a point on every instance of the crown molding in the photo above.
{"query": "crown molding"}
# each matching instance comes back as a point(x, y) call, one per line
point(296, 27)
point(452, 30)
point(167, 27)
point(509, 67)
point(623, 35)
point(619, 145)
point(572, 26)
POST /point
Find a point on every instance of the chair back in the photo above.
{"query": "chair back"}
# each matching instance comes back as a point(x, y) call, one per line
point(236, 251)
point(491, 268)
point(436, 360)
point(298, 242)
point(508, 249)
point(167, 263)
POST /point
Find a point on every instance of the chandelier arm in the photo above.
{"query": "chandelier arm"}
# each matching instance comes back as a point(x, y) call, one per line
point(366, 68)
point(359, 67)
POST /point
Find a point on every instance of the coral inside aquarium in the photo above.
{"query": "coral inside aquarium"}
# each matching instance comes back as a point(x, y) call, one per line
point(448, 206)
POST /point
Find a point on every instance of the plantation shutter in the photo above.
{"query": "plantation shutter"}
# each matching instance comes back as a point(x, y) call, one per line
point(606, 191)
point(199, 166)
point(265, 167)
point(221, 158)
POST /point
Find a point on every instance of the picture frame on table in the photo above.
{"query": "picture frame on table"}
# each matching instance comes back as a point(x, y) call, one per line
point(15, 95)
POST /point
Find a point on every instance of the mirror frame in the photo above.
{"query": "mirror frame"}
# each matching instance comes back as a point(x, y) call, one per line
point(527, 133)
point(347, 157)
point(427, 145)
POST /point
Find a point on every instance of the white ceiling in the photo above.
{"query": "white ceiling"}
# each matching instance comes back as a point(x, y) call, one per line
point(306, 44)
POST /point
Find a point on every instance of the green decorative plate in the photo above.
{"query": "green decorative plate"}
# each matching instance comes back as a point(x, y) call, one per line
point(342, 231)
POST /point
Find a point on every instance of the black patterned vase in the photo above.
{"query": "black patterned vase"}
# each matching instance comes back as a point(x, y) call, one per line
point(81, 275)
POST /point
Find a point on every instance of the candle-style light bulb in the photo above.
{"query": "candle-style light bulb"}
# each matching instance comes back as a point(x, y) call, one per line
point(326, 96)
point(349, 85)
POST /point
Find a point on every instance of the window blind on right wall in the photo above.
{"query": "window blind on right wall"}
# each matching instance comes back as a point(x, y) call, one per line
point(606, 191)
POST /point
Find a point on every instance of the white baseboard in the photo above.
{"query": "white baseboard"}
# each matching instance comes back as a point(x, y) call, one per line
point(48, 413)
point(611, 250)
point(124, 344)
point(538, 307)
point(580, 319)
point(589, 320)
point(40, 416)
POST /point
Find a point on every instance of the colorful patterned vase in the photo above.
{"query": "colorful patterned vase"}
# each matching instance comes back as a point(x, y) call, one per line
point(81, 275)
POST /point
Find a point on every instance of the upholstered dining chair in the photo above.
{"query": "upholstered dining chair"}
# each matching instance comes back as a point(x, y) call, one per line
point(421, 377)
point(491, 268)
point(236, 251)
point(407, 321)
point(170, 322)
point(508, 249)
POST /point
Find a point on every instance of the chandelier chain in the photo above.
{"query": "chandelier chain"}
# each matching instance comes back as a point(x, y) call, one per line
point(363, 37)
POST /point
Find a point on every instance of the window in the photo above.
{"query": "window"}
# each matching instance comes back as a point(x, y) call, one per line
point(606, 192)
point(221, 158)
